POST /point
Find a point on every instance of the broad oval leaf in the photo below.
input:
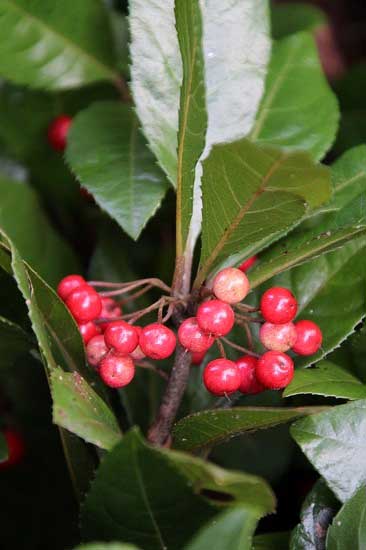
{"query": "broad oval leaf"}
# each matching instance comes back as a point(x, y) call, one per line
point(126, 500)
point(252, 196)
point(291, 115)
point(106, 546)
point(271, 541)
point(335, 443)
point(24, 221)
point(326, 379)
point(79, 409)
point(108, 155)
point(14, 341)
point(291, 18)
point(317, 512)
point(55, 45)
point(233, 529)
point(348, 529)
point(214, 426)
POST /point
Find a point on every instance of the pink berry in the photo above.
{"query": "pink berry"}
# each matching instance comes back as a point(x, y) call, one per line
point(215, 317)
point(137, 353)
point(191, 336)
point(248, 263)
point(197, 357)
point(16, 448)
point(110, 310)
point(221, 377)
point(274, 370)
point(57, 132)
point(278, 337)
point(88, 331)
point(278, 305)
point(157, 341)
point(231, 285)
point(249, 383)
point(96, 349)
point(309, 338)
point(116, 370)
point(84, 304)
point(68, 284)
point(121, 336)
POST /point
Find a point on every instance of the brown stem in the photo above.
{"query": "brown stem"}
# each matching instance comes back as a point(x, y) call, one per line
point(249, 336)
point(135, 295)
point(122, 288)
point(160, 430)
point(247, 319)
point(239, 348)
point(150, 366)
point(244, 307)
point(123, 89)
point(221, 348)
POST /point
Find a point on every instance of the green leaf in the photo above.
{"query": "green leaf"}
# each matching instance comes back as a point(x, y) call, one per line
point(233, 529)
point(80, 410)
point(235, 35)
point(271, 541)
point(192, 113)
point(108, 155)
point(252, 196)
point(326, 379)
point(62, 45)
point(335, 443)
point(348, 529)
point(212, 427)
point(24, 221)
point(291, 115)
point(295, 17)
point(106, 546)
point(126, 499)
point(3, 448)
point(317, 512)
point(14, 341)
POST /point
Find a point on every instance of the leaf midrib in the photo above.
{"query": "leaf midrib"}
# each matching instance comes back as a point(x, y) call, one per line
point(113, 75)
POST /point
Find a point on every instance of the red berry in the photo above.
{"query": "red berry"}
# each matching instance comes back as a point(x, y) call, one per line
point(278, 305)
point(68, 284)
point(137, 353)
point(121, 336)
point(274, 370)
point(191, 336)
point(215, 317)
point(221, 377)
point(110, 310)
point(116, 370)
point(197, 357)
point(57, 132)
point(309, 338)
point(157, 341)
point(248, 263)
point(231, 285)
point(278, 337)
point(249, 383)
point(88, 331)
point(96, 349)
point(16, 448)
point(84, 304)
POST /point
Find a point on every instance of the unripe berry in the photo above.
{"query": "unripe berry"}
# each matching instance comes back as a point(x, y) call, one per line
point(248, 263)
point(110, 310)
point(248, 380)
point(68, 284)
point(278, 305)
point(215, 317)
point(84, 304)
point(16, 448)
point(57, 132)
point(137, 353)
point(116, 370)
point(231, 285)
point(157, 341)
point(192, 337)
point(275, 370)
point(96, 349)
point(221, 377)
point(88, 331)
point(278, 337)
point(197, 357)
point(121, 336)
point(309, 338)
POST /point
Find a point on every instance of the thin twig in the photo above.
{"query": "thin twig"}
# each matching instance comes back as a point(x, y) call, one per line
point(126, 287)
point(221, 348)
point(246, 308)
point(150, 366)
point(239, 348)
point(135, 295)
point(249, 336)
point(247, 319)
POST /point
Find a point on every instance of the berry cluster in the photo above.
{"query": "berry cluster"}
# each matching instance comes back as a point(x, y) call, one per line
point(114, 345)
